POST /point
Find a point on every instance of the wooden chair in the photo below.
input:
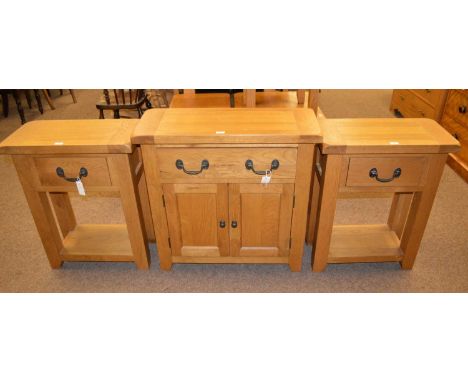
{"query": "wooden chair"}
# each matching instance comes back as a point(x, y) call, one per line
point(124, 99)
point(16, 93)
point(47, 96)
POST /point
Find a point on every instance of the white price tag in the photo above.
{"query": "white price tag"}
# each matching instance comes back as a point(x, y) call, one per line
point(80, 187)
point(267, 177)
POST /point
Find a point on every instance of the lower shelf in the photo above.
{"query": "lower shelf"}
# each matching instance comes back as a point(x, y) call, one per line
point(364, 243)
point(97, 242)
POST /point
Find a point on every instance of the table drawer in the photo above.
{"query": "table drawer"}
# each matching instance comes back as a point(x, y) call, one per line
point(229, 163)
point(457, 106)
point(386, 171)
point(410, 105)
point(97, 170)
point(432, 96)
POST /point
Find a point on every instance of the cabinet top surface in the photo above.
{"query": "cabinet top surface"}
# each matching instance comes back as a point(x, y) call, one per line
point(71, 137)
point(226, 125)
point(386, 135)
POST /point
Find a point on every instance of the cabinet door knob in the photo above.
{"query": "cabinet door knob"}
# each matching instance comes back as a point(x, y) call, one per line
point(61, 173)
point(234, 224)
point(222, 224)
point(203, 166)
point(462, 109)
point(250, 166)
point(373, 173)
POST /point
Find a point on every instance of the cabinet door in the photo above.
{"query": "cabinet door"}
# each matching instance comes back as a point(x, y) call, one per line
point(260, 219)
point(195, 216)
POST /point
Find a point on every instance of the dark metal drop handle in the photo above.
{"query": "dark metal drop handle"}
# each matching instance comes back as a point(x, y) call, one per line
point(250, 166)
point(61, 173)
point(234, 224)
point(204, 166)
point(222, 224)
point(462, 109)
point(374, 174)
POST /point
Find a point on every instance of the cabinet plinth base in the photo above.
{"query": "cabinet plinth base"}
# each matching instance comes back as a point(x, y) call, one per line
point(231, 259)
point(364, 243)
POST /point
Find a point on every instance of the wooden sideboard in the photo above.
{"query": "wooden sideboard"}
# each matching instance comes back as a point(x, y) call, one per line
point(204, 170)
point(455, 121)
point(419, 103)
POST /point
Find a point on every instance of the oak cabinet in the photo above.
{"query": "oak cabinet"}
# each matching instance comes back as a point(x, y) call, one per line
point(197, 216)
point(229, 185)
point(229, 219)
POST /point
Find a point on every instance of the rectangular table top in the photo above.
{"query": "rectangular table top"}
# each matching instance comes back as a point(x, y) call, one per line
point(227, 126)
point(386, 135)
point(71, 137)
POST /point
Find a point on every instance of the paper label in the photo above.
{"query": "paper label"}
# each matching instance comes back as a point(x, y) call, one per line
point(267, 177)
point(80, 187)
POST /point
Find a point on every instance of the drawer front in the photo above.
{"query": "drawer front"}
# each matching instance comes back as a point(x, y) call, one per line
point(457, 107)
point(412, 171)
point(460, 132)
point(226, 163)
point(411, 106)
point(432, 96)
point(98, 172)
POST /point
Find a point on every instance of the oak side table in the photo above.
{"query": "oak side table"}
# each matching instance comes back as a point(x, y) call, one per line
point(404, 157)
point(55, 158)
point(229, 185)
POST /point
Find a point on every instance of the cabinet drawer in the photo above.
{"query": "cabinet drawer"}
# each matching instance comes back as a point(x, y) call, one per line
point(226, 163)
point(411, 106)
point(457, 107)
point(460, 132)
point(412, 171)
point(98, 172)
point(432, 96)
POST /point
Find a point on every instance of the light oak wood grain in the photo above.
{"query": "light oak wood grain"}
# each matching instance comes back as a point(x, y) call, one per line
point(87, 136)
point(224, 126)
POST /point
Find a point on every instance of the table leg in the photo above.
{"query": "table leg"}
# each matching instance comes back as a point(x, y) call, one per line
point(249, 97)
point(63, 211)
point(314, 199)
point(399, 212)
point(305, 155)
point(326, 212)
point(420, 210)
point(313, 99)
point(300, 96)
point(41, 210)
point(120, 168)
point(157, 207)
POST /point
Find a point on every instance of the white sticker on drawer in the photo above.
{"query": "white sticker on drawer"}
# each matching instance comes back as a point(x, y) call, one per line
point(266, 178)
point(393, 143)
point(80, 187)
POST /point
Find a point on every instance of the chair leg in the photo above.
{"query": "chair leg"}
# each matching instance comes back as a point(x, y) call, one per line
point(46, 95)
point(101, 114)
point(28, 98)
point(61, 91)
point(38, 100)
point(72, 92)
point(5, 104)
point(116, 114)
point(19, 106)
